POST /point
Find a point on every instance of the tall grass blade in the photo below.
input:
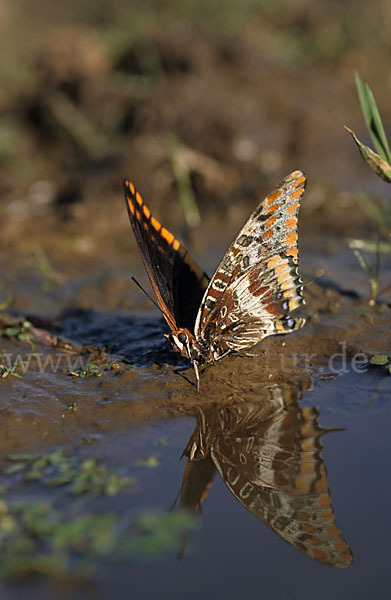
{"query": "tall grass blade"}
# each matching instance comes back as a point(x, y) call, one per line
point(185, 191)
point(377, 130)
point(371, 209)
point(372, 118)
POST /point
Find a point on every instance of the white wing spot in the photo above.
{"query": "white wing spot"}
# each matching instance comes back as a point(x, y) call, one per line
point(219, 285)
point(246, 490)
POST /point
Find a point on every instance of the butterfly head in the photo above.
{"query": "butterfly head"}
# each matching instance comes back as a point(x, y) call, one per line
point(181, 341)
point(184, 342)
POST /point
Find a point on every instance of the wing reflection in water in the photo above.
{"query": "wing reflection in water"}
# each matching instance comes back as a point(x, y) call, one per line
point(268, 455)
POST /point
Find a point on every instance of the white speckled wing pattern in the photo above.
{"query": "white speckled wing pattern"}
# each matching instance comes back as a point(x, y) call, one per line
point(257, 283)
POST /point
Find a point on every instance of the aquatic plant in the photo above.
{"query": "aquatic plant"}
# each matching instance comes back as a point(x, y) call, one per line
point(57, 469)
point(17, 328)
point(5, 371)
point(64, 536)
point(90, 369)
point(381, 360)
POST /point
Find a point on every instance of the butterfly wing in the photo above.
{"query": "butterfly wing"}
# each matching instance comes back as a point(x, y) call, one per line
point(255, 306)
point(257, 282)
point(178, 282)
point(270, 460)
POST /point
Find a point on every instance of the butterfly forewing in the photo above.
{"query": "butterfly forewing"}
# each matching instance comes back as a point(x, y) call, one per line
point(257, 282)
point(178, 281)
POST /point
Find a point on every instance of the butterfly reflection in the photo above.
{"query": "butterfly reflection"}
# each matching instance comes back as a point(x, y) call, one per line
point(268, 455)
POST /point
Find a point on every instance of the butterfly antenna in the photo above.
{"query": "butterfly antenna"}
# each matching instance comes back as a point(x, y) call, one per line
point(145, 292)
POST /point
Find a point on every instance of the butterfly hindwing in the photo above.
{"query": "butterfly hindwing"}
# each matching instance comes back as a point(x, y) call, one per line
point(256, 305)
point(179, 283)
point(257, 282)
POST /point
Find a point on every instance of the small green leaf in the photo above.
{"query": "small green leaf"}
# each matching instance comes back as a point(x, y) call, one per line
point(373, 160)
point(4, 371)
point(15, 468)
point(56, 457)
point(11, 331)
point(20, 457)
point(40, 463)
point(62, 479)
point(26, 337)
point(34, 475)
point(379, 359)
point(88, 464)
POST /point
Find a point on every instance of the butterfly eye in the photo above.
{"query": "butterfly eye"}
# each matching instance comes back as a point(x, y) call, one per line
point(182, 337)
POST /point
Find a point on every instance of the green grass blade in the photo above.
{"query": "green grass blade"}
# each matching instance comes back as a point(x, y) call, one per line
point(185, 191)
point(377, 130)
point(371, 209)
point(364, 263)
point(372, 118)
point(362, 95)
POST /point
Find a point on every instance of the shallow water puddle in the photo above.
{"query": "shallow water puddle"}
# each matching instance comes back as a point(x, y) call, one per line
point(266, 444)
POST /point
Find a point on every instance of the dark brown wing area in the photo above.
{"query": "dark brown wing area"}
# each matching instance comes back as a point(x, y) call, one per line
point(179, 283)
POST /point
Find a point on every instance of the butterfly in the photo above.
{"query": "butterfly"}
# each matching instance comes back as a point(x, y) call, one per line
point(268, 455)
point(254, 288)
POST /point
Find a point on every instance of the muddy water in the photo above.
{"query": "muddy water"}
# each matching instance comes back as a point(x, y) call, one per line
point(287, 506)
point(282, 432)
